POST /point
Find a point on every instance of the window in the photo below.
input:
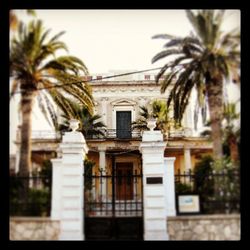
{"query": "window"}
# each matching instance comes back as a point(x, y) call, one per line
point(123, 124)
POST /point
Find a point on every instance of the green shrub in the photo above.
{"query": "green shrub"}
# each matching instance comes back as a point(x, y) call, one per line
point(203, 185)
point(182, 188)
point(88, 165)
point(39, 202)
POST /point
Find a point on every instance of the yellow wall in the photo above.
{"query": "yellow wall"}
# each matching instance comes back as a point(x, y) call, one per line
point(94, 156)
point(179, 162)
point(108, 186)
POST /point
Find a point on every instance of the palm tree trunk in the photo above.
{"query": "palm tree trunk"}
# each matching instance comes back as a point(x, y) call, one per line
point(214, 94)
point(25, 150)
point(234, 154)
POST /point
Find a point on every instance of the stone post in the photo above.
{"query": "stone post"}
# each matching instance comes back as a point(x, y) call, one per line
point(169, 186)
point(56, 189)
point(18, 140)
point(187, 159)
point(102, 166)
point(154, 193)
point(68, 185)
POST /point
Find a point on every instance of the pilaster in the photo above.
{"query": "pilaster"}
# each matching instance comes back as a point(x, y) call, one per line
point(154, 196)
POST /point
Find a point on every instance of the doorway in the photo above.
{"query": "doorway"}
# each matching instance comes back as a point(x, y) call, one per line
point(124, 181)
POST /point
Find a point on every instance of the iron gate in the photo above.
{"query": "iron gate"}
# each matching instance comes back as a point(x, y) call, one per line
point(113, 204)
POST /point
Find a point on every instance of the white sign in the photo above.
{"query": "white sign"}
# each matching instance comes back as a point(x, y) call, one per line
point(188, 204)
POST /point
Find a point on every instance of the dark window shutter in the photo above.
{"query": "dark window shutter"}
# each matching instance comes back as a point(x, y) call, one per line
point(123, 124)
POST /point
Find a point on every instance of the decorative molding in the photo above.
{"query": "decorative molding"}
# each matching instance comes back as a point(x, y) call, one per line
point(104, 98)
point(125, 88)
point(123, 102)
point(190, 145)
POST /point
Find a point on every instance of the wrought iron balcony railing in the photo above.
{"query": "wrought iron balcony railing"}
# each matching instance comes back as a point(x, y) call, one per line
point(103, 134)
point(114, 134)
point(45, 134)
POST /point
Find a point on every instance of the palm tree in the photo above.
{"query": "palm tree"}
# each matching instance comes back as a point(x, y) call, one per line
point(141, 122)
point(202, 61)
point(90, 125)
point(34, 66)
point(157, 109)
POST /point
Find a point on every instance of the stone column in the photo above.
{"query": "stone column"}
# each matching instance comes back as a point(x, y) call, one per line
point(102, 166)
point(68, 186)
point(18, 139)
point(17, 159)
point(103, 110)
point(187, 159)
point(154, 193)
point(169, 186)
point(56, 189)
point(188, 121)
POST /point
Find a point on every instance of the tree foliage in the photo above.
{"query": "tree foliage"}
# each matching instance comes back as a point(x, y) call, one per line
point(37, 72)
point(204, 60)
point(158, 110)
point(90, 125)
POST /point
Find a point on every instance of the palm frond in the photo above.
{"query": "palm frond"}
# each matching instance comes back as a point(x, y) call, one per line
point(68, 63)
point(62, 102)
point(89, 124)
point(173, 42)
point(31, 12)
point(166, 53)
point(42, 105)
point(162, 71)
point(44, 36)
point(163, 36)
point(167, 81)
point(14, 87)
point(51, 111)
point(54, 38)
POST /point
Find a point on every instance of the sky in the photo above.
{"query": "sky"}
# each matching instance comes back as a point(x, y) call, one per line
point(109, 40)
point(118, 39)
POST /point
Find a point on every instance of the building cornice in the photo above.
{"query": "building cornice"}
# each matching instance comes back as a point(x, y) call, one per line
point(126, 83)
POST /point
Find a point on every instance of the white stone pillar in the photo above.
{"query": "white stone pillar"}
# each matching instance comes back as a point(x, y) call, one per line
point(103, 110)
point(187, 159)
point(102, 166)
point(56, 189)
point(188, 121)
point(18, 139)
point(68, 186)
point(169, 186)
point(154, 200)
point(17, 159)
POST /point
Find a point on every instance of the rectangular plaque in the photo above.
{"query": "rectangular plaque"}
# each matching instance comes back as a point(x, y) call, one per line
point(154, 180)
point(188, 204)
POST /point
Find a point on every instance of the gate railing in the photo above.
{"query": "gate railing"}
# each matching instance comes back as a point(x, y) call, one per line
point(113, 195)
point(219, 191)
point(38, 195)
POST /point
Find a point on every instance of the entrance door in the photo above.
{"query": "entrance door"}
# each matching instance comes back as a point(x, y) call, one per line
point(124, 181)
point(123, 124)
point(120, 215)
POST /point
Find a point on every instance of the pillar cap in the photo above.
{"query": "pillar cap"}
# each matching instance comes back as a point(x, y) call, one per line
point(73, 137)
point(152, 136)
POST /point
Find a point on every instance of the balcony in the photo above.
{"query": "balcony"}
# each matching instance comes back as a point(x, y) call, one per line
point(115, 134)
point(45, 134)
point(107, 134)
